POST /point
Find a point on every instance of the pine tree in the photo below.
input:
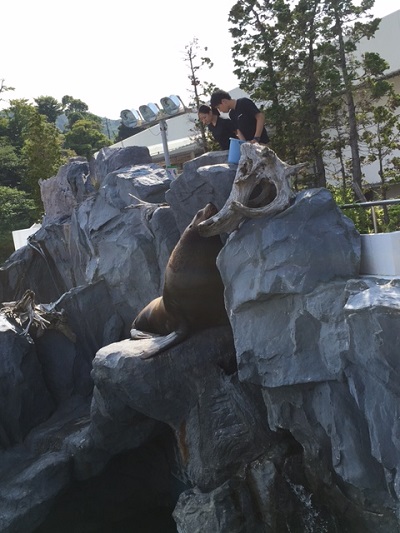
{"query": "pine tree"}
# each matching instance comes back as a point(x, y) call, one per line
point(344, 28)
point(378, 115)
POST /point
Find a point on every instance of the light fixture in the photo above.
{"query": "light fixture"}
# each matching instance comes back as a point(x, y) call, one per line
point(149, 112)
point(172, 104)
point(130, 118)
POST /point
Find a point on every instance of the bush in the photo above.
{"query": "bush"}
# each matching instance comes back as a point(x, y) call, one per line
point(17, 211)
point(359, 215)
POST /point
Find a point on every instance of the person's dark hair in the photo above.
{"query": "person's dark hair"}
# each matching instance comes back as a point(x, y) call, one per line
point(206, 109)
point(218, 96)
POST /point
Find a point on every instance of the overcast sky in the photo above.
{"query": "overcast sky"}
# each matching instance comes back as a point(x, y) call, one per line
point(118, 55)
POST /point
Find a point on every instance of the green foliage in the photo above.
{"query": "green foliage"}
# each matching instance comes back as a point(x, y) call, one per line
point(387, 218)
point(394, 218)
point(359, 215)
point(49, 107)
point(19, 114)
point(85, 138)
point(73, 105)
point(124, 132)
point(11, 166)
point(41, 153)
point(378, 116)
point(294, 56)
point(31, 146)
point(3, 125)
point(75, 110)
point(17, 211)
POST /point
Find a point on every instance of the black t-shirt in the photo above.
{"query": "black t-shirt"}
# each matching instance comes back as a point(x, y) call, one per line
point(223, 130)
point(244, 119)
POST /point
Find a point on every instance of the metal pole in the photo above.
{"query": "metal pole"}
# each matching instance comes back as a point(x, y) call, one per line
point(393, 201)
point(163, 129)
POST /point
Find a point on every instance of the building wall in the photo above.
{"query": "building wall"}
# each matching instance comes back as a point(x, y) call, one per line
point(385, 41)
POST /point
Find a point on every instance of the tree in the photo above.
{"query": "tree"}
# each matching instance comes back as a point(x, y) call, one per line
point(337, 143)
point(344, 28)
point(85, 138)
point(30, 148)
point(256, 31)
point(302, 44)
point(379, 120)
point(49, 107)
point(17, 211)
point(11, 166)
point(41, 153)
point(19, 114)
point(201, 91)
point(124, 132)
point(296, 57)
point(4, 88)
point(75, 110)
point(73, 105)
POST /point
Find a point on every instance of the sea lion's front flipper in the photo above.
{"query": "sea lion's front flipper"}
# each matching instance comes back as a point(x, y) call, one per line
point(158, 344)
point(137, 335)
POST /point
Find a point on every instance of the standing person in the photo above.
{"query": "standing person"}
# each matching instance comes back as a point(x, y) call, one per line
point(248, 119)
point(222, 129)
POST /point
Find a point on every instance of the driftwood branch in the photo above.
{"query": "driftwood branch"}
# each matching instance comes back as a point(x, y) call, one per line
point(33, 318)
point(261, 187)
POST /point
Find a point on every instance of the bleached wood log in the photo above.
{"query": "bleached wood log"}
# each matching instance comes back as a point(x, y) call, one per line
point(258, 166)
point(36, 318)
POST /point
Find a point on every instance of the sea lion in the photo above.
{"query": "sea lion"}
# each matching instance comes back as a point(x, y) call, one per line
point(193, 293)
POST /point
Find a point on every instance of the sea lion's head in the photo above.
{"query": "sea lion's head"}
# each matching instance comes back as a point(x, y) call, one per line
point(203, 214)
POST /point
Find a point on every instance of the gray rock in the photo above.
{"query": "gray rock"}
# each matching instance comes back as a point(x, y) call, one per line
point(297, 413)
point(102, 239)
point(253, 500)
point(26, 401)
point(66, 365)
point(112, 159)
point(309, 243)
point(23, 506)
point(62, 193)
point(373, 316)
point(231, 415)
point(287, 319)
point(35, 472)
point(227, 509)
point(207, 178)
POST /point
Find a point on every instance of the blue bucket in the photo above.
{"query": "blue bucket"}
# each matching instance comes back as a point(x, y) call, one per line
point(234, 150)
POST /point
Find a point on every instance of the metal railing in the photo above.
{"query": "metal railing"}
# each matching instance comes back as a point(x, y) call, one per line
point(371, 204)
point(375, 203)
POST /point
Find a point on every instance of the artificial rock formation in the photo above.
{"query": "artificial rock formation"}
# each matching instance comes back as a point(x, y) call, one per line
point(284, 421)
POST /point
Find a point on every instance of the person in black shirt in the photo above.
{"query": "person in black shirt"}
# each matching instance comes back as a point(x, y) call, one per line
point(222, 129)
point(245, 115)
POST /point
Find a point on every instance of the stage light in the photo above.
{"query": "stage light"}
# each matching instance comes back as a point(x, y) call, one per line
point(172, 104)
point(150, 112)
point(130, 118)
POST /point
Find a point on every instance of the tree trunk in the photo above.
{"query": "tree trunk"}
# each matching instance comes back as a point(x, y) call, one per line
point(351, 109)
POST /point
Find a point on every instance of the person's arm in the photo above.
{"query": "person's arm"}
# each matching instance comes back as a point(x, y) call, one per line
point(260, 122)
point(240, 135)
